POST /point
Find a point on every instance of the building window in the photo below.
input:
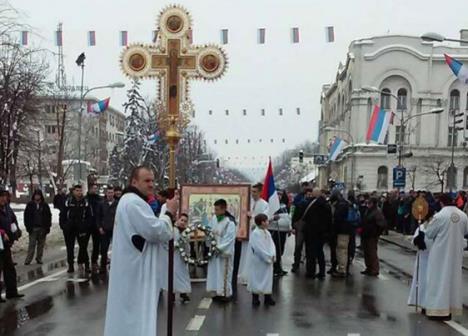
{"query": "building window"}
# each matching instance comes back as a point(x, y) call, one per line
point(216, 142)
point(210, 112)
point(51, 129)
point(452, 136)
point(465, 177)
point(280, 111)
point(227, 112)
point(402, 99)
point(385, 99)
point(399, 133)
point(382, 178)
point(263, 112)
point(244, 112)
point(298, 110)
point(284, 140)
point(454, 100)
point(261, 36)
point(295, 35)
point(224, 36)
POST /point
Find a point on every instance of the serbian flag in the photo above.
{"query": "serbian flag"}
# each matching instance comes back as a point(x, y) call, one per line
point(379, 123)
point(123, 38)
point(24, 38)
point(269, 193)
point(336, 148)
point(98, 107)
point(92, 38)
point(458, 68)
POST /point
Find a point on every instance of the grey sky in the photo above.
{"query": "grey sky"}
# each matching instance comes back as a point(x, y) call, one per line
point(276, 75)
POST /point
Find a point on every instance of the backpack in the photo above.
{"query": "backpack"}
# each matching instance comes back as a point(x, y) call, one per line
point(353, 217)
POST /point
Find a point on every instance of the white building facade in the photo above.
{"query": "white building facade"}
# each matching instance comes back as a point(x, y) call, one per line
point(416, 73)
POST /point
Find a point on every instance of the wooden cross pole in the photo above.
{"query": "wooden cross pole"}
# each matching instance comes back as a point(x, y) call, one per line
point(173, 60)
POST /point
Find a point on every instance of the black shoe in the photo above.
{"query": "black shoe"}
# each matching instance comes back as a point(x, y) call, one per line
point(39, 261)
point(269, 301)
point(255, 300)
point(365, 272)
point(15, 296)
point(338, 275)
point(71, 269)
point(282, 273)
point(2, 300)
point(295, 269)
point(331, 270)
point(185, 298)
point(26, 263)
point(320, 277)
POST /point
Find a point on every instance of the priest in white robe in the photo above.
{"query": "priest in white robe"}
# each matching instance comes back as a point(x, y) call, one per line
point(257, 206)
point(132, 300)
point(261, 262)
point(220, 265)
point(443, 293)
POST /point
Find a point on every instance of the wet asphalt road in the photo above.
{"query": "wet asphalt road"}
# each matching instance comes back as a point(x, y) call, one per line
point(356, 306)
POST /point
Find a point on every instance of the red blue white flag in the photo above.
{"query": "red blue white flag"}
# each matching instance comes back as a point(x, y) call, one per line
point(458, 68)
point(124, 38)
point(24, 38)
point(378, 125)
point(336, 148)
point(99, 107)
point(92, 38)
point(269, 193)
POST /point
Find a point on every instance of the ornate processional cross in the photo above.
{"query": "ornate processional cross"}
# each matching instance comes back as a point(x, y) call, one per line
point(173, 60)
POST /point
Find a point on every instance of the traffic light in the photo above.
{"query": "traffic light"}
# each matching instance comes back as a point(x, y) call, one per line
point(301, 156)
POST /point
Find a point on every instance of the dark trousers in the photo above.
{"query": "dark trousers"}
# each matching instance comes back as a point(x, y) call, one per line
point(279, 238)
point(299, 244)
point(106, 239)
point(9, 271)
point(71, 235)
point(351, 249)
point(37, 238)
point(235, 271)
point(96, 237)
point(371, 259)
point(314, 255)
point(332, 243)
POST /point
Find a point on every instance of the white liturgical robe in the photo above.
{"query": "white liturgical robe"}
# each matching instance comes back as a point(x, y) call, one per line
point(443, 293)
point(261, 262)
point(257, 207)
point(132, 300)
point(220, 266)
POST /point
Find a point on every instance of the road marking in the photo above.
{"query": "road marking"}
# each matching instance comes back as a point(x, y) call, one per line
point(272, 334)
point(458, 327)
point(205, 303)
point(41, 280)
point(195, 323)
point(354, 334)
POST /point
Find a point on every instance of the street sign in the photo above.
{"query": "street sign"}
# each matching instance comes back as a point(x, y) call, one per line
point(399, 177)
point(392, 148)
point(320, 159)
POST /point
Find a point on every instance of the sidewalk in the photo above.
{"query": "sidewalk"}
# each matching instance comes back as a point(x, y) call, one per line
point(405, 242)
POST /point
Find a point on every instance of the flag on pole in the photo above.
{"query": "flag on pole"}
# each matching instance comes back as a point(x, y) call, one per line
point(336, 148)
point(151, 140)
point(124, 38)
point(458, 68)
point(330, 34)
point(24, 38)
point(269, 193)
point(91, 38)
point(58, 38)
point(98, 107)
point(378, 125)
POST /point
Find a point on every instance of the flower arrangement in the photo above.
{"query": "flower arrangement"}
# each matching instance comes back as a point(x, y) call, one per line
point(184, 240)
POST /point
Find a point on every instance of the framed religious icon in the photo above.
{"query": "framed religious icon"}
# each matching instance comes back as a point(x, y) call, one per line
point(197, 201)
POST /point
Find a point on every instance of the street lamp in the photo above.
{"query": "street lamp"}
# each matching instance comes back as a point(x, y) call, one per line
point(341, 130)
point(435, 37)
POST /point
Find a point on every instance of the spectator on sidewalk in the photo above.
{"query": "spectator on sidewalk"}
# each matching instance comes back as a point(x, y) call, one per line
point(279, 229)
point(300, 207)
point(9, 233)
point(117, 192)
point(342, 230)
point(76, 227)
point(37, 220)
point(60, 198)
point(106, 225)
point(95, 203)
point(390, 210)
point(372, 227)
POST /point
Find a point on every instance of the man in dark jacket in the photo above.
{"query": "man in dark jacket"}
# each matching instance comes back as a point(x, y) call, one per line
point(342, 230)
point(372, 227)
point(317, 223)
point(106, 225)
point(95, 203)
point(7, 266)
point(76, 227)
point(38, 220)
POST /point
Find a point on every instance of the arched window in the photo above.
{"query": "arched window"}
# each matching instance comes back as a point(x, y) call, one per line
point(454, 100)
point(385, 99)
point(402, 99)
point(382, 178)
point(465, 177)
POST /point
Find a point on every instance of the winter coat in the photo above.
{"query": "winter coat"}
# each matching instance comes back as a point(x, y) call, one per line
point(373, 223)
point(77, 215)
point(7, 217)
point(34, 209)
point(95, 203)
point(108, 215)
point(390, 210)
point(340, 215)
point(318, 219)
point(59, 203)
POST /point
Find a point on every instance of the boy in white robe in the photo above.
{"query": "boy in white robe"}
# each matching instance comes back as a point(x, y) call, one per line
point(262, 257)
point(132, 298)
point(181, 268)
point(220, 266)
